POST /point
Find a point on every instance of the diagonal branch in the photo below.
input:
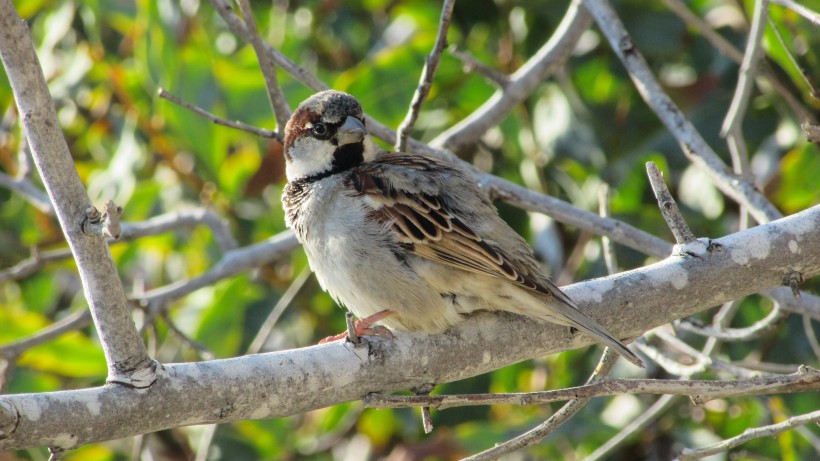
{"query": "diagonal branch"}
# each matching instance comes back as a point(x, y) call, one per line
point(521, 84)
point(126, 356)
point(750, 434)
point(426, 80)
point(281, 110)
point(691, 142)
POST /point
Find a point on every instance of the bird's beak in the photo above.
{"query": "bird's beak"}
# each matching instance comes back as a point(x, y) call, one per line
point(351, 131)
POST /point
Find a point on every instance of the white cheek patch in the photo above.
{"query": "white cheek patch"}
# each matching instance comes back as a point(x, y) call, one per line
point(309, 156)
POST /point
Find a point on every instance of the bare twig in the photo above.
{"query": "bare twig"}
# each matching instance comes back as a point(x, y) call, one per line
point(162, 93)
point(724, 46)
point(232, 262)
point(204, 352)
point(75, 321)
point(281, 110)
point(521, 84)
point(635, 426)
point(733, 123)
point(538, 433)
point(703, 361)
point(757, 330)
point(812, 338)
point(426, 80)
point(750, 434)
point(184, 218)
point(801, 10)
point(691, 142)
point(793, 60)
point(669, 208)
point(608, 248)
point(277, 311)
point(29, 191)
point(701, 391)
point(618, 231)
point(680, 8)
point(237, 26)
point(127, 359)
point(131, 231)
point(471, 64)
point(748, 67)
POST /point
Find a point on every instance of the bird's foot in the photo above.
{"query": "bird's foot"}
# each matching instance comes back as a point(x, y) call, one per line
point(366, 327)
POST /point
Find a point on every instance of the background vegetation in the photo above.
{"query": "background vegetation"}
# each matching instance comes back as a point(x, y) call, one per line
point(105, 61)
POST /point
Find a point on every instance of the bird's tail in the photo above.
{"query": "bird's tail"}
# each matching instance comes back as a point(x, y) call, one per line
point(564, 311)
point(580, 320)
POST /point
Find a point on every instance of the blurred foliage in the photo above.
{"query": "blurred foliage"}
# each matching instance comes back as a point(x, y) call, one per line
point(105, 61)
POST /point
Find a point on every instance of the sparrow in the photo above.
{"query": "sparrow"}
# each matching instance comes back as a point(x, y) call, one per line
point(404, 239)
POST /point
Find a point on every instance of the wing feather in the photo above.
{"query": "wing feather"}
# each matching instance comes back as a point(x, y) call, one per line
point(430, 228)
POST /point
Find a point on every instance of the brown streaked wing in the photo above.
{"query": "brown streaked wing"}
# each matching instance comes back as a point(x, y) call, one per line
point(430, 229)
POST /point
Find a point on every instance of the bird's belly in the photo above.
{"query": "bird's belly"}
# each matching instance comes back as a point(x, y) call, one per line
point(362, 272)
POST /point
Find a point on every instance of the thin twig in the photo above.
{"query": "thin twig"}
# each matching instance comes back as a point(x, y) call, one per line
point(733, 123)
point(803, 380)
point(538, 433)
point(749, 434)
point(812, 338)
point(691, 142)
point(740, 101)
point(277, 311)
point(754, 331)
point(204, 352)
point(29, 191)
point(793, 60)
point(521, 84)
point(237, 26)
point(75, 321)
point(426, 80)
point(162, 93)
point(471, 64)
point(705, 361)
point(281, 110)
point(801, 10)
point(680, 8)
point(132, 231)
point(608, 247)
point(635, 426)
point(232, 262)
point(669, 208)
point(728, 49)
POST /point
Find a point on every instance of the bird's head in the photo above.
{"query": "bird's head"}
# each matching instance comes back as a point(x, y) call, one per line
point(326, 135)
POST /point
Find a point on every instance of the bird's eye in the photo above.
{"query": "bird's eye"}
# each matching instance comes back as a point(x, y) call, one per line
point(320, 130)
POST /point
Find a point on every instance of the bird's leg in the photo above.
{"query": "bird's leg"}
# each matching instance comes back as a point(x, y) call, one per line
point(366, 327)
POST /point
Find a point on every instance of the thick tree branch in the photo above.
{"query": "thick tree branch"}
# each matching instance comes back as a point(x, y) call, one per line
point(128, 361)
point(291, 382)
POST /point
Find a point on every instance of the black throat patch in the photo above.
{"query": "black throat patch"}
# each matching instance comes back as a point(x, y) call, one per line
point(344, 158)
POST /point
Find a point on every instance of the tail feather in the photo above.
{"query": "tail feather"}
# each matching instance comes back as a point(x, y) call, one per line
point(564, 307)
